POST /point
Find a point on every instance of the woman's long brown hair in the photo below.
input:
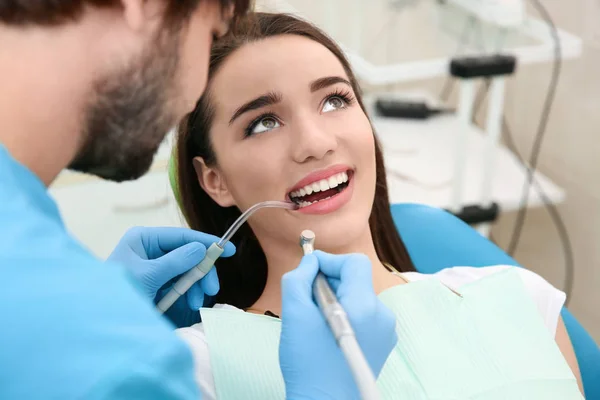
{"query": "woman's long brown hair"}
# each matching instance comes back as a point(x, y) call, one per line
point(243, 276)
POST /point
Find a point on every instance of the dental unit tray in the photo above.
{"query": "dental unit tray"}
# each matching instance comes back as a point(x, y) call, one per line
point(184, 283)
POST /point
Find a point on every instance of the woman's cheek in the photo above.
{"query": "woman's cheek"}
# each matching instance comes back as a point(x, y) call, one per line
point(365, 142)
point(256, 182)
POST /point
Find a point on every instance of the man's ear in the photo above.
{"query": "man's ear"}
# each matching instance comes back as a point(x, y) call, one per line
point(213, 183)
point(142, 15)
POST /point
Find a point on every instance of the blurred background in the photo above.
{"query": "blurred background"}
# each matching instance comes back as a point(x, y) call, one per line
point(401, 50)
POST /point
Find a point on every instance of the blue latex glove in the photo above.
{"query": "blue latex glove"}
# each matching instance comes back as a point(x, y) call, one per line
point(156, 257)
point(312, 364)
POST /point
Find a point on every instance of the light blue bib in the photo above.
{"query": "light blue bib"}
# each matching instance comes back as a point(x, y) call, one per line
point(489, 344)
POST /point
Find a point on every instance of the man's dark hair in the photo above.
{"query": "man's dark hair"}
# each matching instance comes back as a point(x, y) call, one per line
point(56, 12)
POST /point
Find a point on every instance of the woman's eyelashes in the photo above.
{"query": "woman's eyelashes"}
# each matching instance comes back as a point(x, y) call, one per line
point(266, 122)
point(263, 123)
point(337, 100)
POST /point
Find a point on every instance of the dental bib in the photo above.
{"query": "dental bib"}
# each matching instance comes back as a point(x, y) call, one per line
point(487, 343)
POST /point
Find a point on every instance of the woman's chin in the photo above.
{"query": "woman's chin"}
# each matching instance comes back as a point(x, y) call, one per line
point(338, 233)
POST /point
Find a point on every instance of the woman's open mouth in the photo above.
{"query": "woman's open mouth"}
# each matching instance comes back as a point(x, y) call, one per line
point(325, 195)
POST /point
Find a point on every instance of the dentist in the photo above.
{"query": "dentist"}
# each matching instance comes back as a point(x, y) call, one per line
point(93, 85)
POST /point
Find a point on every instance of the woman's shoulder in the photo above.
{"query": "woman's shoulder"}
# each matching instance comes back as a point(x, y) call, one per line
point(547, 298)
point(458, 276)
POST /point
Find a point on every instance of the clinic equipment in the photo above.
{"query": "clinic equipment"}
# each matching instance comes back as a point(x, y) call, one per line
point(213, 253)
point(502, 13)
point(340, 326)
point(494, 68)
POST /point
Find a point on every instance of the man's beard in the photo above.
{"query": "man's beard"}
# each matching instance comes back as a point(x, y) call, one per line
point(130, 114)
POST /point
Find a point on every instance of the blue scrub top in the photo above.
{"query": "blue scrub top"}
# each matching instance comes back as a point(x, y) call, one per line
point(72, 326)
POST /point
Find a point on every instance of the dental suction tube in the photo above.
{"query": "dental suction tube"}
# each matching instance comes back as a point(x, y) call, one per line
point(215, 250)
point(339, 324)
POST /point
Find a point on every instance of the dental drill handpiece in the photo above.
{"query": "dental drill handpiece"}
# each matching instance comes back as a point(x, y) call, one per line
point(325, 297)
point(338, 322)
point(215, 250)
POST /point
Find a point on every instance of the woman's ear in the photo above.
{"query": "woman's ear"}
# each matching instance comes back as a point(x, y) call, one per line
point(213, 183)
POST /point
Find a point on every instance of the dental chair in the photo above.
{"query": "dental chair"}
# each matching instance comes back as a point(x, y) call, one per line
point(436, 239)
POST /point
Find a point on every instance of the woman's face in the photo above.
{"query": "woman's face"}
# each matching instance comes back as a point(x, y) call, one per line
point(287, 126)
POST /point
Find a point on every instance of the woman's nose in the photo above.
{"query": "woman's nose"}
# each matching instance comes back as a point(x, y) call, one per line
point(313, 141)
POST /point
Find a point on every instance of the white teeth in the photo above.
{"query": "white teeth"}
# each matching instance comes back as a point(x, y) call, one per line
point(332, 181)
point(308, 203)
point(322, 185)
point(342, 177)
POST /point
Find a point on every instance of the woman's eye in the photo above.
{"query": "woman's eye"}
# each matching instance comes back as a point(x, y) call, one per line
point(333, 103)
point(265, 124)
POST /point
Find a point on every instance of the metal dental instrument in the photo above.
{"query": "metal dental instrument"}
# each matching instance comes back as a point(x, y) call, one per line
point(213, 253)
point(339, 324)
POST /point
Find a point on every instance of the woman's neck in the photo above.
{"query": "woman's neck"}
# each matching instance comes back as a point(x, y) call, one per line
point(284, 258)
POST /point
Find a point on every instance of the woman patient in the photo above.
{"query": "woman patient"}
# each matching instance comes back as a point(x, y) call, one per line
point(282, 119)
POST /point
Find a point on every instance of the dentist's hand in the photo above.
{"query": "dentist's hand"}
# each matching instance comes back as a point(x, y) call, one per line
point(312, 364)
point(157, 256)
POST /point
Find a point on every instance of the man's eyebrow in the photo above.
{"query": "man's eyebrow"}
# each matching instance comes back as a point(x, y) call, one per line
point(322, 83)
point(259, 102)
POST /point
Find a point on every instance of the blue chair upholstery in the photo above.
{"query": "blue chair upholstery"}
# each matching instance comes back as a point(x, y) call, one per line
point(436, 239)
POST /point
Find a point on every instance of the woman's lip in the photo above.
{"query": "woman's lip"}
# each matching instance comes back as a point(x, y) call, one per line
point(332, 204)
point(318, 175)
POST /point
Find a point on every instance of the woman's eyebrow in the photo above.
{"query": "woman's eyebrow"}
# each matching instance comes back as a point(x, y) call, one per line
point(274, 97)
point(322, 83)
point(259, 102)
